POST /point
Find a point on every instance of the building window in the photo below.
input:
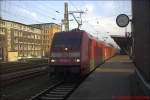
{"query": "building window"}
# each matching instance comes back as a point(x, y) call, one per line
point(32, 36)
point(15, 34)
point(20, 26)
point(16, 40)
point(12, 25)
point(2, 23)
point(24, 28)
point(35, 36)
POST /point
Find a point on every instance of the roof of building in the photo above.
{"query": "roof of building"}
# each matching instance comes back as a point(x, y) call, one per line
point(18, 23)
point(120, 40)
point(45, 24)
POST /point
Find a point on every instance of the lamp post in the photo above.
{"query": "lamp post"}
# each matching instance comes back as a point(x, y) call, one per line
point(123, 20)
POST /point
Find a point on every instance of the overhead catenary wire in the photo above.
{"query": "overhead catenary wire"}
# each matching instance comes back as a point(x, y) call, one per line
point(80, 9)
point(73, 5)
point(21, 17)
point(54, 9)
point(5, 10)
point(39, 12)
point(85, 20)
point(51, 9)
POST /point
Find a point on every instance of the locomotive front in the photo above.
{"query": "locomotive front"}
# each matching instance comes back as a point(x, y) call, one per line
point(65, 53)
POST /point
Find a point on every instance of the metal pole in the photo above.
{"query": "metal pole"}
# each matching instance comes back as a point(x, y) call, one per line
point(66, 21)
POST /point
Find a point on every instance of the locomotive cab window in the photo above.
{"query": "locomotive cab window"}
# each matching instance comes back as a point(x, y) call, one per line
point(67, 40)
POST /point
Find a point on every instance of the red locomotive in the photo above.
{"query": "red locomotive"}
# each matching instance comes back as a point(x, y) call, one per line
point(77, 52)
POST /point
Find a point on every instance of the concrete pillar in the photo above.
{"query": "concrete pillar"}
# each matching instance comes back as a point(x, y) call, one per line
point(141, 34)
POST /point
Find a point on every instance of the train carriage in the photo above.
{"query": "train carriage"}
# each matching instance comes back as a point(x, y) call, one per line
point(77, 53)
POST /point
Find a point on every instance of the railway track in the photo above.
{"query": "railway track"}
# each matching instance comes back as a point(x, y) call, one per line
point(18, 66)
point(59, 91)
point(12, 77)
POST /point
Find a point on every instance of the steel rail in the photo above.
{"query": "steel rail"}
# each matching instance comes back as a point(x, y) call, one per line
point(38, 95)
point(9, 78)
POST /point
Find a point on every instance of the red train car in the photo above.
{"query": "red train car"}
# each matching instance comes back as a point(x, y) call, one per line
point(76, 52)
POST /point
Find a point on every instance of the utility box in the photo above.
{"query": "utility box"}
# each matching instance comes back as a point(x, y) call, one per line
point(12, 56)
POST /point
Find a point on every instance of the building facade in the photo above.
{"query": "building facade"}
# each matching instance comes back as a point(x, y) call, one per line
point(2, 46)
point(17, 37)
point(48, 31)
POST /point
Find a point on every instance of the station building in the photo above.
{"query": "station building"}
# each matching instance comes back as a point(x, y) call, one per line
point(19, 41)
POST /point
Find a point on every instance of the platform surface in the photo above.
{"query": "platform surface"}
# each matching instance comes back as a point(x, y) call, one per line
point(109, 80)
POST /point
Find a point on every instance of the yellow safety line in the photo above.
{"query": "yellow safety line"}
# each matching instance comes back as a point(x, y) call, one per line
point(113, 70)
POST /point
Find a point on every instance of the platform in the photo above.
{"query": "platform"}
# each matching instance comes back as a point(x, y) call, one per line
point(109, 80)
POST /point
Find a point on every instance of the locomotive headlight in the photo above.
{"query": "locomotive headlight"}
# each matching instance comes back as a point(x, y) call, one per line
point(66, 49)
point(52, 60)
point(77, 60)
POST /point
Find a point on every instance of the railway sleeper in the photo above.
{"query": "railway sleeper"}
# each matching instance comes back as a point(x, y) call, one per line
point(58, 90)
point(54, 92)
point(64, 88)
point(51, 98)
point(55, 95)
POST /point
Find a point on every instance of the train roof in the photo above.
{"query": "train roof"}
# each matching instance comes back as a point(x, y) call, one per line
point(89, 35)
point(74, 30)
point(98, 40)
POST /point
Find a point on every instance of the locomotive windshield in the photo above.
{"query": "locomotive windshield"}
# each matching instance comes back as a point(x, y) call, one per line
point(67, 40)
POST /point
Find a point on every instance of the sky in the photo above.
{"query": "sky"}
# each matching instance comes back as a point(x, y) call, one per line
point(99, 16)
